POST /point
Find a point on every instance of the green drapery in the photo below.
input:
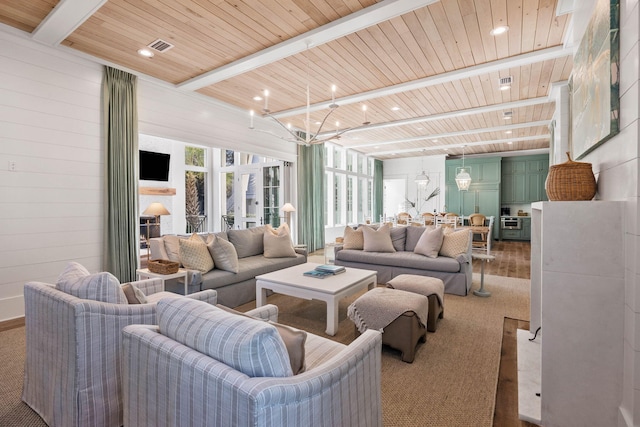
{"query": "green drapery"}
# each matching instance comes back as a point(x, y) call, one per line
point(311, 197)
point(120, 121)
point(378, 189)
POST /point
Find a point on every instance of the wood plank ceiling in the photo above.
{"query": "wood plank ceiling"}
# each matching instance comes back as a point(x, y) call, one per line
point(428, 76)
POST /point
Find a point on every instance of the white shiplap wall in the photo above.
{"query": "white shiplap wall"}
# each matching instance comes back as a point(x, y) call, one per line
point(51, 206)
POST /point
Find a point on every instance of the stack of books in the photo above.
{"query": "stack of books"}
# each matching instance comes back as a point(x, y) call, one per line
point(325, 270)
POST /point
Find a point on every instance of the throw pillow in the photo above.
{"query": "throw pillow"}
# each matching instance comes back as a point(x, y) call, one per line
point(223, 253)
point(134, 294)
point(283, 229)
point(377, 240)
point(247, 345)
point(172, 247)
point(194, 254)
point(278, 246)
point(430, 243)
point(455, 242)
point(398, 236)
point(294, 340)
point(353, 239)
point(77, 281)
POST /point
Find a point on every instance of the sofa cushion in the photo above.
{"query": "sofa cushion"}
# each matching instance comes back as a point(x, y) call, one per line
point(398, 237)
point(280, 231)
point(278, 246)
point(430, 242)
point(353, 239)
point(77, 281)
point(377, 240)
point(455, 242)
point(400, 259)
point(134, 294)
point(223, 253)
point(250, 346)
point(248, 242)
point(194, 254)
point(294, 340)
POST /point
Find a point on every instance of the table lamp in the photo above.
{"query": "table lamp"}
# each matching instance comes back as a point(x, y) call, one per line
point(156, 209)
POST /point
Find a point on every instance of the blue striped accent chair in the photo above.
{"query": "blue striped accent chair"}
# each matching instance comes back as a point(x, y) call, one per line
point(168, 382)
point(73, 366)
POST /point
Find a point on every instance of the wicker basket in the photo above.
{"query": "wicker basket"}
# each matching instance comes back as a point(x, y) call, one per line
point(571, 181)
point(163, 266)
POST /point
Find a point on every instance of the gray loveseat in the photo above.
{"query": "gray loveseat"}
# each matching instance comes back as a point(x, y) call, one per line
point(233, 289)
point(456, 273)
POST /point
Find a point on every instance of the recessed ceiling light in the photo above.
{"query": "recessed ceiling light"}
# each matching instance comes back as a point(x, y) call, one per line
point(508, 132)
point(145, 52)
point(499, 30)
point(434, 140)
point(257, 98)
point(446, 149)
point(395, 108)
point(420, 128)
point(510, 142)
point(318, 123)
point(376, 147)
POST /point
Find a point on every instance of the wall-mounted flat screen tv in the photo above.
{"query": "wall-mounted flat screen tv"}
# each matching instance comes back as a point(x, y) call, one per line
point(154, 166)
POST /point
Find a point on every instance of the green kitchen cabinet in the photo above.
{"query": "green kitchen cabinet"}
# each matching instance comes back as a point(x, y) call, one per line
point(523, 179)
point(526, 228)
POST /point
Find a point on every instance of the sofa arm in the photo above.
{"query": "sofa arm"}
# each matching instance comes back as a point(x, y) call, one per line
point(209, 296)
point(266, 312)
point(301, 251)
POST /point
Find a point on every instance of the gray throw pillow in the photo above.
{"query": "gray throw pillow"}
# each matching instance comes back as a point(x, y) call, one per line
point(248, 242)
point(398, 237)
point(430, 243)
point(377, 240)
point(223, 253)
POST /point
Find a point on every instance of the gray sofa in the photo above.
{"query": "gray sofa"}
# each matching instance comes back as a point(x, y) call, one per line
point(233, 289)
point(455, 273)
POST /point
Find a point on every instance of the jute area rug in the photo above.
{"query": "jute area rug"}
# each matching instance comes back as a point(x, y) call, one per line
point(452, 381)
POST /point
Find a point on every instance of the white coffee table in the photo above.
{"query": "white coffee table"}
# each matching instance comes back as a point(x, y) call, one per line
point(331, 289)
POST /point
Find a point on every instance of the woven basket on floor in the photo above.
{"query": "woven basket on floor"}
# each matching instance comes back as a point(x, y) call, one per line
point(571, 181)
point(163, 266)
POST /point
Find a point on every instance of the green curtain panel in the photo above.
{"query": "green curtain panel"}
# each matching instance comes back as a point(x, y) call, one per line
point(311, 197)
point(120, 123)
point(378, 186)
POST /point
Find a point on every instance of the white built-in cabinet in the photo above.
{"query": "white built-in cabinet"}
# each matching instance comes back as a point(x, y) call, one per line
point(577, 298)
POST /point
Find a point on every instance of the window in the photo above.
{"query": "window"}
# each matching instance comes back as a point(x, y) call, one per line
point(349, 186)
point(195, 160)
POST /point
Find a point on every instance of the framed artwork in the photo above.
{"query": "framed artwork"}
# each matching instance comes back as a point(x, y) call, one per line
point(595, 80)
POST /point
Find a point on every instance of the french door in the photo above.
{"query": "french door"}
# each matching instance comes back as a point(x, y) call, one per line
point(256, 195)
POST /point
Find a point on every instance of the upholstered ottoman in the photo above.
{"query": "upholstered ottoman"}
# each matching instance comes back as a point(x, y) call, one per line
point(431, 287)
point(401, 316)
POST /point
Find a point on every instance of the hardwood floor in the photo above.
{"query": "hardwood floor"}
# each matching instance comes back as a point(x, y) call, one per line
point(513, 259)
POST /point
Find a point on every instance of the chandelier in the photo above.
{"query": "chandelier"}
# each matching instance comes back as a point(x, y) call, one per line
point(307, 136)
point(463, 178)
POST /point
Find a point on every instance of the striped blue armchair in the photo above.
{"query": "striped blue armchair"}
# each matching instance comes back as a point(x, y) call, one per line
point(73, 367)
point(199, 368)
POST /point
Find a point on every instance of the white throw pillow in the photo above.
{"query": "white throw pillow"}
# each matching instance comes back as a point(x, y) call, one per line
point(377, 240)
point(430, 242)
point(223, 253)
point(194, 254)
point(455, 242)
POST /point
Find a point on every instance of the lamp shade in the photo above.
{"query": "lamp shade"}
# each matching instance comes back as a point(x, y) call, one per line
point(288, 207)
point(423, 179)
point(463, 179)
point(156, 209)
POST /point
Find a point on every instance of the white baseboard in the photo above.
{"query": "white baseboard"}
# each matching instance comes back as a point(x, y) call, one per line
point(11, 308)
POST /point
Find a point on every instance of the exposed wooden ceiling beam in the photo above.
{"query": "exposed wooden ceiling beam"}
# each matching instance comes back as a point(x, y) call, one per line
point(372, 15)
point(459, 133)
point(450, 114)
point(466, 144)
point(489, 67)
point(64, 19)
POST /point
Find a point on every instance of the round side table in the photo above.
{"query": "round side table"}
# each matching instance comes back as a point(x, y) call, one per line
point(484, 258)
